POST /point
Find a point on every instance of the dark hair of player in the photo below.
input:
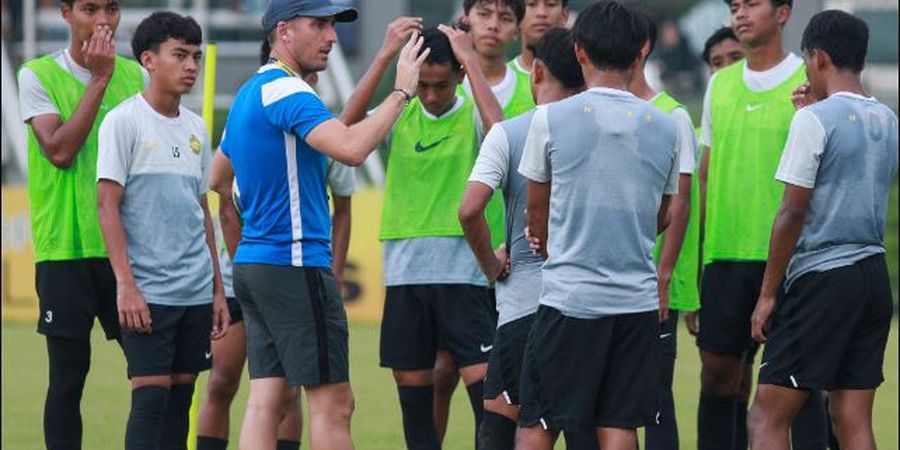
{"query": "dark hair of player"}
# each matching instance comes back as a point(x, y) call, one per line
point(720, 35)
point(611, 35)
point(441, 51)
point(518, 6)
point(775, 3)
point(556, 50)
point(651, 30)
point(160, 27)
point(843, 36)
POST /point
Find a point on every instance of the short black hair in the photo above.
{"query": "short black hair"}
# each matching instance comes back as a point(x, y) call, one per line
point(720, 35)
point(775, 3)
point(441, 51)
point(611, 35)
point(651, 30)
point(843, 36)
point(160, 27)
point(557, 51)
point(518, 6)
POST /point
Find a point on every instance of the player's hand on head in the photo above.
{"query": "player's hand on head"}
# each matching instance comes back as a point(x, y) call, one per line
point(460, 42)
point(134, 314)
point(398, 33)
point(802, 96)
point(762, 318)
point(100, 53)
point(409, 63)
point(221, 318)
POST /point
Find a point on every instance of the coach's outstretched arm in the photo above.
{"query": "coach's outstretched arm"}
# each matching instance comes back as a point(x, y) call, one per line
point(398, 32)
point(351, 145)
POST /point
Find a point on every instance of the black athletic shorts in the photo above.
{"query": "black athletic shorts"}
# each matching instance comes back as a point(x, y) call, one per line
point(505, 366)
point(295, 323)
point(830, 329)
point(728, 294)
point(178, 342)
point(581, 374)
point(71, 293)
point(417, 316)
point(234, 310)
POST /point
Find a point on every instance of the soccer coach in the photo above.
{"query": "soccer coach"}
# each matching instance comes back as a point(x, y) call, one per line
point(277, 136)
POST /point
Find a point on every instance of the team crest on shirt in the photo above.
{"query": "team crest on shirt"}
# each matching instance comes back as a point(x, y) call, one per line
point(195, 145)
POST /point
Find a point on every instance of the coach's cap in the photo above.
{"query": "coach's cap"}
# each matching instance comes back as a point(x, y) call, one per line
point(284, 10)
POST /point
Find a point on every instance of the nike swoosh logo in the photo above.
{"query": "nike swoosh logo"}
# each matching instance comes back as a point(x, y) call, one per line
point(763, 364)
point(424, 148)
point(207, 355)
point(751, 108)
point(485, 349)
point(665, 335)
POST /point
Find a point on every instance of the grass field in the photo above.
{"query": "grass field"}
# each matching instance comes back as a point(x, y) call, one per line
point(376, 423)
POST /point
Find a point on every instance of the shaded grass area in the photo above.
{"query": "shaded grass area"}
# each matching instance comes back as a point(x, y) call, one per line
point(376, 422)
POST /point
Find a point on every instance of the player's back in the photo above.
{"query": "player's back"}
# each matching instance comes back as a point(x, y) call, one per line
point(846, 216)
point(612, 157)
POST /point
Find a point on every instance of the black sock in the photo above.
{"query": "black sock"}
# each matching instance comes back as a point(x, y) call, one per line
point(211, 443)
point(176, 421)
point(417, 404)
point(663, 435)
point(721, 423)
point(148, 405)
point(810, 428)
point(284, 444)
point(497, 432)
point(476, 398)
point(581, 439)
point(69, 361)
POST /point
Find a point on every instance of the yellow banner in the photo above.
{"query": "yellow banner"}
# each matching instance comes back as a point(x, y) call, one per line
point(363, 288)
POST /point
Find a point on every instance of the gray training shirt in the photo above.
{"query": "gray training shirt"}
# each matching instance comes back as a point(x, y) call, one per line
point(610, 157)
point(844, 148)
point(501, 152)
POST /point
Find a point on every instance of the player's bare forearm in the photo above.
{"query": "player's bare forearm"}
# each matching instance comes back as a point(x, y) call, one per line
point(475, 226)
point(109, 199)
point(221, 178)
point(358, 103)
point(340, 234)
point(538, 212)
point(485, 101)
point(352, 145)
point(679, 214)
point(785, 234)
point(703, 175)
point(61, 141)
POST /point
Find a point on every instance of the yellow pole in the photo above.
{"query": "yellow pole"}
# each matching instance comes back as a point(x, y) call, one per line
point(209, 96)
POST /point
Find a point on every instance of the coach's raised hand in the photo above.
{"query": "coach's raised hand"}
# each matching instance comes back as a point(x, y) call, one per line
point(411, 58)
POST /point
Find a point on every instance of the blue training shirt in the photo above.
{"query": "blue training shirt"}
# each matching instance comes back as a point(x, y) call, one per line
point(281, 179)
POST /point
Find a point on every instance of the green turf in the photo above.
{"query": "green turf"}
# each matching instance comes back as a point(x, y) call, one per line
point(376, 422)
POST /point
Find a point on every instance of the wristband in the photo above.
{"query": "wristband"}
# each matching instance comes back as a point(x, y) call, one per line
point(406, 95)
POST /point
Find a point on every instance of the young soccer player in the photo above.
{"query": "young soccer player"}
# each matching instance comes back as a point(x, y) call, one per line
point(277, 137)
point(612, 160)
point(151, 170)
point(540, 16)
point(64, 96)
point(722, 49)
point(829, 329)
point(676, 252)
point(746, 115)
point(515, 269)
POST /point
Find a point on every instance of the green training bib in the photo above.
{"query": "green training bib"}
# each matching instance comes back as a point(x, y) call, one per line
point(63, 202)
point(749, 131)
